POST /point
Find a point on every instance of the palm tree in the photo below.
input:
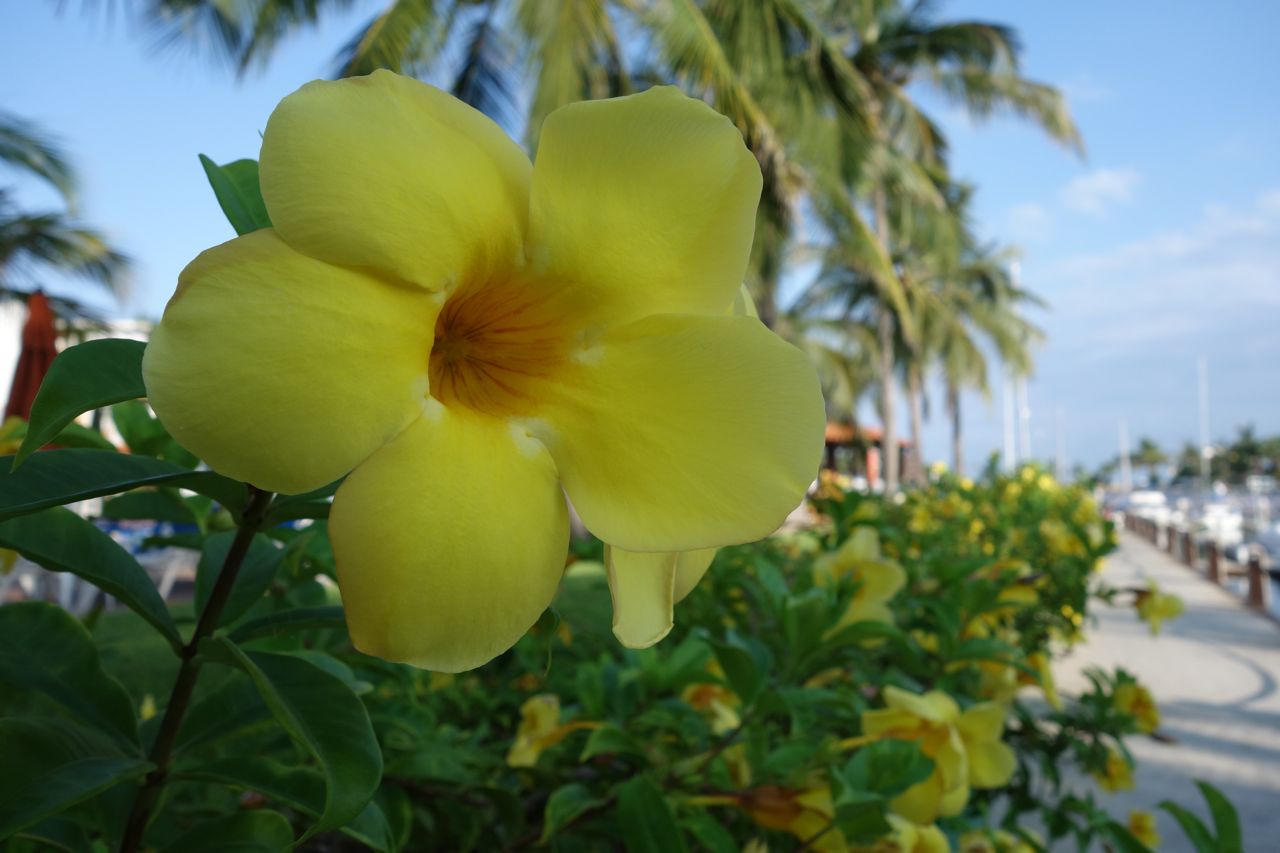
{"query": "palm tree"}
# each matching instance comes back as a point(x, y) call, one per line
point(30, 241)
point(772, 66)
point(971, 63)
point(1149, 456)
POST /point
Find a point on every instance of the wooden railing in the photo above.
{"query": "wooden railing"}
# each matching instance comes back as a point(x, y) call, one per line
point(1196, 552)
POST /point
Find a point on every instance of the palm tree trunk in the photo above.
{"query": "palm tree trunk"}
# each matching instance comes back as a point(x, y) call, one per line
point(884, 328)
point(915, 401)
point(957, 445)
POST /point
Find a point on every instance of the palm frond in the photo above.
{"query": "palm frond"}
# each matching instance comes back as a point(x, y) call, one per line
point(404, 35)
point(23, 146)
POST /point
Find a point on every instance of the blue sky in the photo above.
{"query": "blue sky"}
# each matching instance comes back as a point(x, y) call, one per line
point(1161, 246)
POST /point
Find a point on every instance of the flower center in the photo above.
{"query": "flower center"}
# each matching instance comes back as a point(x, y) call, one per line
point(495, 345)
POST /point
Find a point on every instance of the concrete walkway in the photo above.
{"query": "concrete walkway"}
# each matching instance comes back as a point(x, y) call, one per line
point(1214, 674)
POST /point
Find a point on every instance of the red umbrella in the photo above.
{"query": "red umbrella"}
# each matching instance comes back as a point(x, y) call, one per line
point(39, 347)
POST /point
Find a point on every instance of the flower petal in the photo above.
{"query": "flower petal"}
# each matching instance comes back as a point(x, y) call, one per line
point(644, 204)
point(678, 433)
point(641, 586)
point(450, 541)
point(934, 706)
point(991, 764)
point(389, 174)
point(983, 722)
point(690, 567)
point(283, 371)
point(645, 586)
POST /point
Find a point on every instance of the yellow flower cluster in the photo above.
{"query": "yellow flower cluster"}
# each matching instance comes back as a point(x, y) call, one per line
point(965, 746)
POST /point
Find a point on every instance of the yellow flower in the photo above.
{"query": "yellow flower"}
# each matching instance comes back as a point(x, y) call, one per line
point(1116, 774)
point(1136, 701)
point(12, 431)
point(1143, 827)
point(1156, 607)
point(906, 837)
point(878, 577)
point(478, 337)
point(540, 729)
point(965, 748)
point(802, 813)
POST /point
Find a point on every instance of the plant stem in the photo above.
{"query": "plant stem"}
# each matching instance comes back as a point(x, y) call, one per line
point(180, 697)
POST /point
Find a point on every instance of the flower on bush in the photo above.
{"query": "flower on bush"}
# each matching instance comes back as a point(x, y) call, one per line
point(1142, 825)
point(999, 841)
point(1135, 700)
point(1156, 607)
point(965, 747)
point(1116, 773)
point(714, 700)
point(540, 728)
point(471, 338)
point(907, 837)
point(878, 578)
point(803, 813)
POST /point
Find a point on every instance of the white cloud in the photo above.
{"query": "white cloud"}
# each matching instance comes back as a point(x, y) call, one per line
point(1208, 281)
point(1097, 191)
point(1028, 223)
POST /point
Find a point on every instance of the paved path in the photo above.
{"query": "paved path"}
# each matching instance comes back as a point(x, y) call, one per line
point(1214, 673)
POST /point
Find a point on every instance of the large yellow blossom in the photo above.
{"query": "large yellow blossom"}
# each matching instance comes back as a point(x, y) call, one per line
point(474, 337)
point(878, 577)
point(965, 747)
point(1135, 700)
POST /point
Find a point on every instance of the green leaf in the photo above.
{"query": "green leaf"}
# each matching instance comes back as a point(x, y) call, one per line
point(232, 708)
point(1125, 841)
point(646, 820)
point(160, 504)
point(46, 771)
point(860, 815)
point(298, 787)
point(57, 477)
point(255, 575)
point(710, 833)
point(61, 541)
point(82, 378)
point(565, 805)
point(887, 767)
point(57, 833)
point(45, 649)
point(1226, 822)
point(238, 192)
point(313, 504)
point(286, 621)
point(610, 740)
point(258, 831)
point(804, 619)
point(323, 715)
point(744, 665)
point(1197, 833)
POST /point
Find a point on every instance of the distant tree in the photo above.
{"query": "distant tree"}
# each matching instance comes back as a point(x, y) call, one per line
point(32, 241)
point(1151, 457)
